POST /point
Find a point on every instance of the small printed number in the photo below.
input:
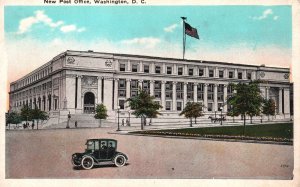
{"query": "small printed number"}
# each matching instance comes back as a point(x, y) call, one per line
point(284, 166)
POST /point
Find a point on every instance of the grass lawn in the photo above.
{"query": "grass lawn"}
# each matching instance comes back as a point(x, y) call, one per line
point(282, 130)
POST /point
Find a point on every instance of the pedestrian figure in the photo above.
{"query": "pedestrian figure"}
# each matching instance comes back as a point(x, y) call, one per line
point(75, 124)
point(122, 122)
point(32, 125)
point(24, 126)
point(69, 117)
point(150, 122)
point(127, 122)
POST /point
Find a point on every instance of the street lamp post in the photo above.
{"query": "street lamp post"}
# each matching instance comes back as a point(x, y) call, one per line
point(129, 117)
point(221, 108)
point(118, 111)
point(215, 114)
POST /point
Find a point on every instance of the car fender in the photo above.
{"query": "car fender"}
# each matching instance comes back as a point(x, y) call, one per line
point(120, 153)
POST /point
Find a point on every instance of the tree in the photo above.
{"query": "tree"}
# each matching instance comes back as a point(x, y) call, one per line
point(269, 108)
point(246, 100)
point(26, 113)
point(192, 110)
point(101, 112)
point(37, 115)
point(143, 106)
point(233, 113)
point(13, 118)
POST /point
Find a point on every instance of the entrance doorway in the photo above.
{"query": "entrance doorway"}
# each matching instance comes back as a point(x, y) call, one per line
point(89, 103)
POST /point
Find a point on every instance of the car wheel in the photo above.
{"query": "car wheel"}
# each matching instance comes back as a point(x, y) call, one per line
point(87, 162)
point(74, 163)
point(120, 160)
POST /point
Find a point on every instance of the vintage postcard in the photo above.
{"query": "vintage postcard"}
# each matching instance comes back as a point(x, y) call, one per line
point(174, 93)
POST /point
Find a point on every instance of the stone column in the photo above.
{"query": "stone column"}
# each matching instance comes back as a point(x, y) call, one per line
point(174, 96)
point(151, 87)
point(163, 70)
point(244, 74)
point(141, 66)
point(174, 72)
point(185, 70)
point(267, 93)
point(235, 73)
point(286, 95)
point(163, 94)
point(195, 91)
point(129, 66)
point(79, 104)
point(99, 87)
point(184, 94)
point(108, 91)
point(206, 71)
point(216, 97)
point(205, 96)
point(280, 101)
point(128, 82)
point(225, 98)
point(216, 72)
point(116, 93)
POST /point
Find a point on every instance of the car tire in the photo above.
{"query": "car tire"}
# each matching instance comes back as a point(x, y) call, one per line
point(74, 164)
point(87, 162)
point(120, 160)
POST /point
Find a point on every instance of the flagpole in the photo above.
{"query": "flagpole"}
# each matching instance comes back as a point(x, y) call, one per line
point(183, 36)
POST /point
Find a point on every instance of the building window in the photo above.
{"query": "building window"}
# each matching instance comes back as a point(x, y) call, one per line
point(146, 68)
point(122, 93)
point(122, 104)
point(249, 76)
point(219, 106)
point(240, 75)
point(201, 72)
point(157, 94)
point(230, 74)
point(191, 71)
point(157, 69)
point(134, 67)
point(221, 74)
point(169, 70)
point(180, 70)
point(122, 83)
point(209, 107)
point(179, 106)
point(168, 105)
point(211, 73)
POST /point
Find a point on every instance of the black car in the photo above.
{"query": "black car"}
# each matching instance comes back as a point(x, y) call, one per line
point(99, 151)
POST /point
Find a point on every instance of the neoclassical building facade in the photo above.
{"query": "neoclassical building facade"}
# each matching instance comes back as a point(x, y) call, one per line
point(75, 81)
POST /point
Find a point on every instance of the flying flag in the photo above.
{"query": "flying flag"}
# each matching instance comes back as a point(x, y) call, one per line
point(189, 30)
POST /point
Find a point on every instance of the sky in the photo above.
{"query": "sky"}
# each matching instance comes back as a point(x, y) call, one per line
point(236, 34)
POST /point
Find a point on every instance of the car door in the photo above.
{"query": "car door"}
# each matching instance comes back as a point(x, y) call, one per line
point(111, 149)
point(103, 149)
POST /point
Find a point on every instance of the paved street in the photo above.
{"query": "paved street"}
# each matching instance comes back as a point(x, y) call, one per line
point(47, 154)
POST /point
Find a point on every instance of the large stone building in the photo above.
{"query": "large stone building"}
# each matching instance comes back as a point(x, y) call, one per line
point(75, 81)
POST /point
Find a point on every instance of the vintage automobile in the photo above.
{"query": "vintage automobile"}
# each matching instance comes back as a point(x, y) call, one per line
point(99, 151)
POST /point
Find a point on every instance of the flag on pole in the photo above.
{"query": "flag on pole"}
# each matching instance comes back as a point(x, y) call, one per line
point(189, 30)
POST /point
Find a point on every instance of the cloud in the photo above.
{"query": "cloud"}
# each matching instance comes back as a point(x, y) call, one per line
point(171, 28)
point(275, 17)
point(40, 17)
point(148, 42)
point(264, 15)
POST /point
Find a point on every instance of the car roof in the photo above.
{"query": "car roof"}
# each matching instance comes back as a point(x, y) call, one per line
point(101, 139)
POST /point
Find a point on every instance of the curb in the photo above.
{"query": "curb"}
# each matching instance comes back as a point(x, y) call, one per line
point(202, 138)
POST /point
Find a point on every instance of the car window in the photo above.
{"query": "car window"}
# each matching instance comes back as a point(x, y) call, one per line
point(90, 145)
point(103, 144)
point(112, 144)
